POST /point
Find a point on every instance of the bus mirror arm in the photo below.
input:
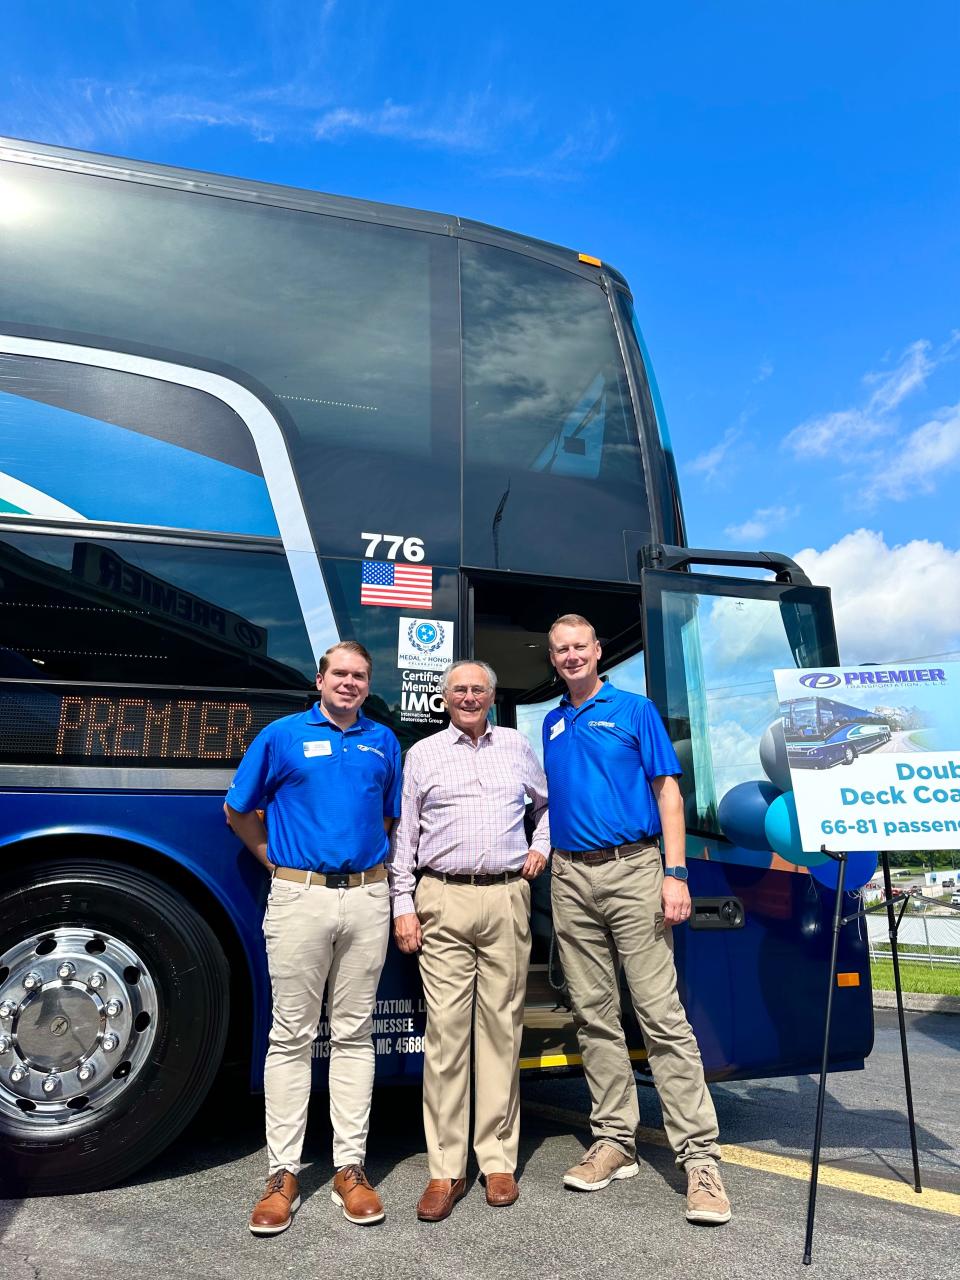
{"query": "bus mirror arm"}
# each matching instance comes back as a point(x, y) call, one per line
point(662, 556)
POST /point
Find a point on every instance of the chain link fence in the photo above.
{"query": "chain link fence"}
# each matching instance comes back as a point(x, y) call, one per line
point(929, 949)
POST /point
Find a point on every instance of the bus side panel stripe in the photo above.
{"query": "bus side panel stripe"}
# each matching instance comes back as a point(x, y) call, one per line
point(271, 450)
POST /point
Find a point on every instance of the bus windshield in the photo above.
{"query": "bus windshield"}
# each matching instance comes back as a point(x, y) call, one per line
point(549, 428)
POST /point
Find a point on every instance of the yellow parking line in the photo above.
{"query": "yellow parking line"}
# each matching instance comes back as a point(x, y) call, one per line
point(539, 1061)
point(863, 1184)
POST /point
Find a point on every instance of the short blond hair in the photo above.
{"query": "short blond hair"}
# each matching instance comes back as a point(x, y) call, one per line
point(570, 620)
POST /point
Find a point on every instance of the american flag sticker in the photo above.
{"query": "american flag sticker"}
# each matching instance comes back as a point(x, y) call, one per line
point(400, 585)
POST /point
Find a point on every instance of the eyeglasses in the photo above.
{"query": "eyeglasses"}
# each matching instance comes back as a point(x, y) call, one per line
point(461, 690)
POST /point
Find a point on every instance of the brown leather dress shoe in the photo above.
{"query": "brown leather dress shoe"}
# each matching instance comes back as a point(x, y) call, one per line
point(274, 1211)
point(438, 1200)
point(502, 1189)
point(355, 1196)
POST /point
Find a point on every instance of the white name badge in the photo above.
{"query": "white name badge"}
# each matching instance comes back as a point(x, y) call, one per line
point(557, 729)
point(321, 748)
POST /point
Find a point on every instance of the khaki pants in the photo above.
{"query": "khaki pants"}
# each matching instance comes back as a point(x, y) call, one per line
point(609, 915)
point(319, 937)
point(474, 961)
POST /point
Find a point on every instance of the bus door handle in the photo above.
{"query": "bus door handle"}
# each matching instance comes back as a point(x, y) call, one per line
point(717, 913)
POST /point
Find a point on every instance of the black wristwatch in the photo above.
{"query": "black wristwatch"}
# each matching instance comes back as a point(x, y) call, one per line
point(678, 873)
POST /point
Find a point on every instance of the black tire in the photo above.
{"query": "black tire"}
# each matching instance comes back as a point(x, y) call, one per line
point(849, 755)
point(190, 974)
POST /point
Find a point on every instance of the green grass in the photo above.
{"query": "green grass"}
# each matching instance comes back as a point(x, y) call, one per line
point(883, 949)
point(940, 979)
point(922, 738)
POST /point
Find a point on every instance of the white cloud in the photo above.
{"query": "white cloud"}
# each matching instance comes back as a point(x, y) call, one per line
point(824, 435)
point(594, 141)
point(479, 122)
point(708, 464)
point(909, 375)
point(763, 522)
point(765, 371)
point(890, 603)
point(463, 128)
point(920, 458)
point(317, 101)
point(820, 437)
point(95, 114)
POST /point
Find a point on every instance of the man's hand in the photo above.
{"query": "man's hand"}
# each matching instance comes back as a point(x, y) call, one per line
point(534, 865)
point(249, 827)
point(676, 901)
point(406, 933)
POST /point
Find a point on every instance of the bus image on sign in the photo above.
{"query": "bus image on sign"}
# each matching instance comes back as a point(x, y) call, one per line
point(821, 732)
point(242, 422)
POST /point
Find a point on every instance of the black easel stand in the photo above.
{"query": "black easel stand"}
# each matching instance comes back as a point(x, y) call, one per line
point(839, 920)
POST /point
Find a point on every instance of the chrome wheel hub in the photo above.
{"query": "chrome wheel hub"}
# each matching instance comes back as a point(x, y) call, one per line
point(78, 1016)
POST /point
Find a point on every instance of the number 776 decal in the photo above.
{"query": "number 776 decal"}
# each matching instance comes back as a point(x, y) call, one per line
point(392, 543)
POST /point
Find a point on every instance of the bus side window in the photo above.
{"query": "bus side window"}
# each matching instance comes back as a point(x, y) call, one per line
point(151, 613)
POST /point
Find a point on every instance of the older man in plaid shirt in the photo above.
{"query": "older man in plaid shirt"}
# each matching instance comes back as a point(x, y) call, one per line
point(461, 830)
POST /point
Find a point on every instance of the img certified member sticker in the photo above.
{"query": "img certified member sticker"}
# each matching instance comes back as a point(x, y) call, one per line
point(425, 643)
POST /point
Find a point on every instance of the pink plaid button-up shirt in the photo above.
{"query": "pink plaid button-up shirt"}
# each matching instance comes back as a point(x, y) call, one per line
point(463, 806)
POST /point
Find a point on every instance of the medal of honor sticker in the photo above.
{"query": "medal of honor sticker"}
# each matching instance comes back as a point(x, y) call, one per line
point(425, 644)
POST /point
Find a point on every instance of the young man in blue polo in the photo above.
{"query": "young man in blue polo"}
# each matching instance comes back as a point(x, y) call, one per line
point(612, 775)
point(330, 781)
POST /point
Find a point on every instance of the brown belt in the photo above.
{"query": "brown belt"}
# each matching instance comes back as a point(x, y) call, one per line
point(591, 857)
point(450, 877)
point(332, 879)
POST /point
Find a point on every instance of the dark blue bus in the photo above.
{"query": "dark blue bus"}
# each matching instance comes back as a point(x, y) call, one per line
point(239, 422)
point(821, 732)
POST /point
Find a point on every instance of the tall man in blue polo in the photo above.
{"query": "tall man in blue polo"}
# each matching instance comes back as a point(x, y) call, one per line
point(612, 774)
point(330, 781)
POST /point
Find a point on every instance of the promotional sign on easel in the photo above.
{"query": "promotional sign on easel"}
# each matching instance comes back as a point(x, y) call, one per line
point(874, 761)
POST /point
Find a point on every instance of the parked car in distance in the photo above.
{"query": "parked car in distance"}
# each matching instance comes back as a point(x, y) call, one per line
point(955, 900)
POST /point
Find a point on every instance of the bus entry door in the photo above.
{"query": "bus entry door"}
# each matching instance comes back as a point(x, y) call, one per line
point(752, 962)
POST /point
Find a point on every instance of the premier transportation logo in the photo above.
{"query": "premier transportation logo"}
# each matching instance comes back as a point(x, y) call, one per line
point(819, 680)
point(869, 677)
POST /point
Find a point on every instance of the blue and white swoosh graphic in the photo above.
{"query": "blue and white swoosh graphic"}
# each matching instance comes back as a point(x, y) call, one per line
point(105, 472)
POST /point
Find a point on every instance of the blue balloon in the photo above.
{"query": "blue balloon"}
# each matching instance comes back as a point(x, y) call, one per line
point(783, 831)
point(860, 869)
point(742, 812)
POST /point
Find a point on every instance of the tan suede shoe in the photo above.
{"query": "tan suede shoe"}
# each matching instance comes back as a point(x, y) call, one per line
point(706, 1198)
point(274, 1211)
point(355, 1196)
point(601, 1165)
point(502, 1189)
point(438, 1199)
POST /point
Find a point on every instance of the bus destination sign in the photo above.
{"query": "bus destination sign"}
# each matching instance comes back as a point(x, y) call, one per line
point(123, 727)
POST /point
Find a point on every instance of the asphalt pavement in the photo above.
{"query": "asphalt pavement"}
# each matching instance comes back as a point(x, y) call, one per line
point(186, 1214)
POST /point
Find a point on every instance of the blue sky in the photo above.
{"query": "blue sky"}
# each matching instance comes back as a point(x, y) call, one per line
point(778, 182)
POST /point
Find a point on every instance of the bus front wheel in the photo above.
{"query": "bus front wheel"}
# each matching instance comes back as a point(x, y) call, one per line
point(114, 1005)
point(849, 755)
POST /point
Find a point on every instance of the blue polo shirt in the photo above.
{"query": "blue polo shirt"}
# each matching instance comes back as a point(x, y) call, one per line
point(599, 758)
point(326, 790)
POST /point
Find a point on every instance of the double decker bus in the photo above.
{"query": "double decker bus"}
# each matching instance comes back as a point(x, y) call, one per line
point(241, 422)
point(821, 732)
